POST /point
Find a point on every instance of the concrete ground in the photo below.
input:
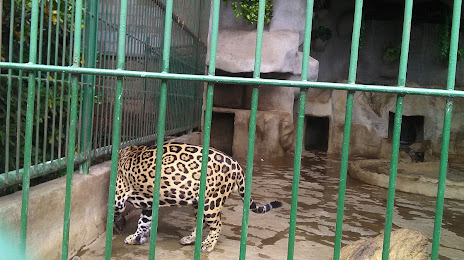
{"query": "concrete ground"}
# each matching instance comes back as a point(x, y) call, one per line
point(317, 206)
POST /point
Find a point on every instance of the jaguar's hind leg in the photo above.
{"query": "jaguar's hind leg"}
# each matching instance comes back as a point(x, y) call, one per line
point(213, 220)
point(120, 198)
point(143, 229)
point(190, 239)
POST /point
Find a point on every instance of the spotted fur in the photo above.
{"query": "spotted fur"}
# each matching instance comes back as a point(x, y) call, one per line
point(180, 182)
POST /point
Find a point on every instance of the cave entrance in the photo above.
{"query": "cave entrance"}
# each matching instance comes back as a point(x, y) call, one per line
point(222, 131)
point(317, 133)
point(412, 129)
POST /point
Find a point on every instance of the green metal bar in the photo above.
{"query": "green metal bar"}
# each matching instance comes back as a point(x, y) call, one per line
point(207, 128)
point(296, 173)
point(126, 131)
point(103, 87)
point(116, 127)
point(70, 79)
point(72, 129)
point(161, 128)
point(397, 128)
point(89, 81)
point(55, 80)
point(446, 128)
point(20, 90)
point(347, 127)
point(8, 100)
point(300, 130)
point(252, 130)
point(39, 86)
point(47, 87)
point(29, 125)
point(63, 63)
point(238, 80)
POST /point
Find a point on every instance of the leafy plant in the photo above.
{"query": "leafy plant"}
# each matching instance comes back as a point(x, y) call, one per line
point(54, 103)
point(322, 33)
point(320, 4)
point(248, 9)
point(391, 52)
point(362, 32)
point(444, 36)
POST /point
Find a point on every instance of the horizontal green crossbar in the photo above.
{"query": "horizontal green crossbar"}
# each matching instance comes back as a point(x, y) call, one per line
point(236, 80)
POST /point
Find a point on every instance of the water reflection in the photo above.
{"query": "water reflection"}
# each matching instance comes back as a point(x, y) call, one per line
point(364, 205)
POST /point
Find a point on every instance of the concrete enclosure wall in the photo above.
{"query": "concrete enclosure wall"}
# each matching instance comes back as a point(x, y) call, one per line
point(89, 206)
point(46, 212)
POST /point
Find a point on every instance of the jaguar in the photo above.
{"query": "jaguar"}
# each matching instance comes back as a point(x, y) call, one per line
point(179, 185)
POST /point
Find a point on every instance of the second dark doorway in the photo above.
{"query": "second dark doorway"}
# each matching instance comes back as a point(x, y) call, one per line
point(317, 133)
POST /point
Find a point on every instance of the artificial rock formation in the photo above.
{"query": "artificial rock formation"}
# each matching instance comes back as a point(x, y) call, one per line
point(281, 59)
point(404, 244)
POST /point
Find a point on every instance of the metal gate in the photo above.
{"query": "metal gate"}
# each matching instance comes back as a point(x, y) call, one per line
point(168, 74)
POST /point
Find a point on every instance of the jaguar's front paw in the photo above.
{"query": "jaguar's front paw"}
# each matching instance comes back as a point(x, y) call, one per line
point(136, 239)
point(187, 240)
point(207, 247)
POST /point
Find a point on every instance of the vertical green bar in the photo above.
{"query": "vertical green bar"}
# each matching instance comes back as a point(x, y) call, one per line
point(63, 63)
point(347, 128)
point(29, 125)
point(161, 128)
point(47, 89)
point(252, 130)
point(39, 86)
point(446, 128)
point(397, 128)
point(8, 99)
point(300, 129)
point(20, 91)
point(55, 82)
point(116, 128)
point(72, 129)
point(91, 25)
point(207, 128)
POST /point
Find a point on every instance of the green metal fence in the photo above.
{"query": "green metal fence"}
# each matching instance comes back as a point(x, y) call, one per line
point(95, 46)
point(123, 65)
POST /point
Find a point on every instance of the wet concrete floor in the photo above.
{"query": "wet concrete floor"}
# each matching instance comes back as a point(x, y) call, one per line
point(317, 205)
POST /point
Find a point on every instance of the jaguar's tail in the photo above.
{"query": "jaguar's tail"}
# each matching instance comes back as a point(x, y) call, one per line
point(253, 206)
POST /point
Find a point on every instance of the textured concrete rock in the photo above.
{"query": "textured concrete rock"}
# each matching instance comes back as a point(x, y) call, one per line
point(417, 178)
point(385, 149)
point(46, 207)
point(236, 51)
point(272, 99)
point(404, 244)
point(288, 15)
point(313, 67)
point(274, 134)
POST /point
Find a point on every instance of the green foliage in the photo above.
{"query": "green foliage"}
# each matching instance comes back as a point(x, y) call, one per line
point(58, 19)
point(248, 9)
point(48, 101)
point(53, 101)
point(391, 52)
point(444, 37)
point(322, 33)
point(362, 32)
point(320, 4)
